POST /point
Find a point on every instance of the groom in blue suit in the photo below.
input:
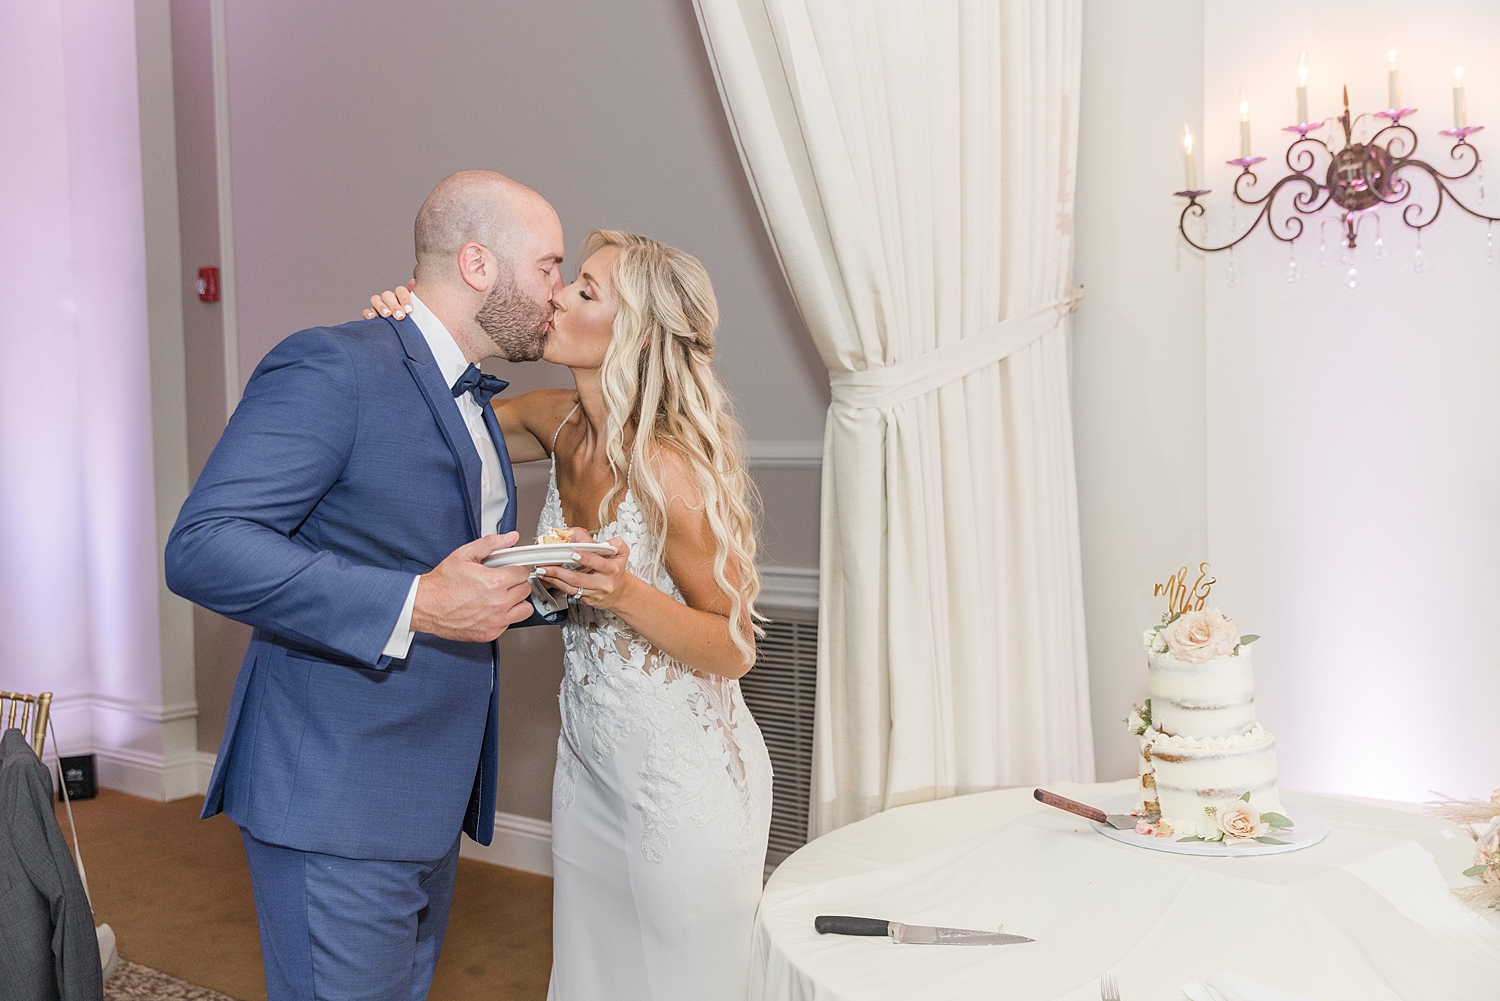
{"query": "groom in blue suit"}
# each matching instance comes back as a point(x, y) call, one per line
point(345, 515)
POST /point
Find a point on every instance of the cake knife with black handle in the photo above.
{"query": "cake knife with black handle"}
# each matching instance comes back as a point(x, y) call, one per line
point(840, 924)
point(1119, 821)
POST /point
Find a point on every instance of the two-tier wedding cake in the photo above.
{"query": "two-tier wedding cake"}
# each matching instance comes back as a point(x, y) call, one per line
point(1204, 760)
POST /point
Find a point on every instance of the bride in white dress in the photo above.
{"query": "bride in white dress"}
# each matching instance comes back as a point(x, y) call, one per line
point(661, 801)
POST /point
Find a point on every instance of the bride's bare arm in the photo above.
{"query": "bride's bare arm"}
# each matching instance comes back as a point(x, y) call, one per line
point(530, 419)
point(696, 634)
point(523, 418)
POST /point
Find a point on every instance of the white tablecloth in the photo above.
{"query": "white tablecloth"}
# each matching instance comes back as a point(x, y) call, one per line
point(1365, 915)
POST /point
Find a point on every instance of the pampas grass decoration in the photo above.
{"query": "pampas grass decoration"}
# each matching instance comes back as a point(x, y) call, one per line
point(1487, 895)
point(1466, 811)
point(1474, 814)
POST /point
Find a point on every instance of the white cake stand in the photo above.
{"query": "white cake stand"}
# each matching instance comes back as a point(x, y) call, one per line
point(1308, 828)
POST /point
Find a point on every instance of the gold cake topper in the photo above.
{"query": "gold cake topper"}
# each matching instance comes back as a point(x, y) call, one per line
point(1181, 599)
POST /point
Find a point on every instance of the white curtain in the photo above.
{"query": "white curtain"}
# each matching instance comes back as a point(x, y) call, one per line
point(913, 161)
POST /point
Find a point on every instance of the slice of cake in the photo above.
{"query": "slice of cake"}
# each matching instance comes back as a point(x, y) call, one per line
point(1201, 749)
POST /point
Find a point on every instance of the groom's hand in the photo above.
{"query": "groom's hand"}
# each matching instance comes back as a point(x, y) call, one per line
point(462, 599)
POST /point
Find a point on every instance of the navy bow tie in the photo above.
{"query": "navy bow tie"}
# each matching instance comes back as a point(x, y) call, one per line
point(481, 386)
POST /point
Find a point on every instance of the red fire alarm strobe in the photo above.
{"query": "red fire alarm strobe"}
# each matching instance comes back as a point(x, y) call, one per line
point(208, 284)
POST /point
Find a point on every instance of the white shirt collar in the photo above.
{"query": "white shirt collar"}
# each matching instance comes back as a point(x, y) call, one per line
point(445, 350)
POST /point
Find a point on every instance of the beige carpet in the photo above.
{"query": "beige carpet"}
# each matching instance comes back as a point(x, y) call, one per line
point(133, 982)
point(176, 890)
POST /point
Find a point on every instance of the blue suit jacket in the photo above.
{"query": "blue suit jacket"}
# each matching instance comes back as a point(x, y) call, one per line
point(346, 469)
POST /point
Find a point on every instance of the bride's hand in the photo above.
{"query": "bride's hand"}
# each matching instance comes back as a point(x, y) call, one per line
point(602, 580)
point(396, 302)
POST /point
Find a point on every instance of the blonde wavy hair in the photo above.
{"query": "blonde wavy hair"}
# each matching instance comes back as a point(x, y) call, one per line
point(659, 384)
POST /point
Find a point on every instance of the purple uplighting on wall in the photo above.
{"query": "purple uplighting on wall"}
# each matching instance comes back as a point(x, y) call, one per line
point(78, 573)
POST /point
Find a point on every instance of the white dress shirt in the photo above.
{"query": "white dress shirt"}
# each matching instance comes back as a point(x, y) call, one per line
point(492, 494)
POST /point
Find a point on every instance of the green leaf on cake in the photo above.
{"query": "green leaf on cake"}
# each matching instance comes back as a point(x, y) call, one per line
point(1249, 638)
point(1276, 820)
point(1271, 841)
point(1245, 798)
point(1194, 838)
point(1477, 870)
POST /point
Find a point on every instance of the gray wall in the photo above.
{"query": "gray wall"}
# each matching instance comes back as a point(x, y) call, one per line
point(608, 109)
point(1138, 363)
point(343, 116)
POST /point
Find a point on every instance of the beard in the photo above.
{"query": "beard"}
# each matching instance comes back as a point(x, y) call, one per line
point(515, 323)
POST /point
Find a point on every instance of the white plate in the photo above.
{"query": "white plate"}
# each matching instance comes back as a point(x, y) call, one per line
point(1308, 828)
point(551, 555)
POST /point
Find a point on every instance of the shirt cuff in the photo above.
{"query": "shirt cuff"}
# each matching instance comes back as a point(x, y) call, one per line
point(399, 645)
point(546, 601)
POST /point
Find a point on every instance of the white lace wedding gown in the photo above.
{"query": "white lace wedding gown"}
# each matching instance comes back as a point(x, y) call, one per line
point(661, 806)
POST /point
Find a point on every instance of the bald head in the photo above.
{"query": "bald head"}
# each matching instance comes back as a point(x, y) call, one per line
point(476, 206)
point(489, 257)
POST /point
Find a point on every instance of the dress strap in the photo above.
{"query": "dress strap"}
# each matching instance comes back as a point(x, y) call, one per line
point(563, 425)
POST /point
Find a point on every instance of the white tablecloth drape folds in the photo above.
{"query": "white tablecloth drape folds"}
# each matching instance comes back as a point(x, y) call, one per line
point(913, 163)
point(1365, 915)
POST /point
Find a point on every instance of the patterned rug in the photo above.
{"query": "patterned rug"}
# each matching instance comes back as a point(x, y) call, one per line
point(133, 982)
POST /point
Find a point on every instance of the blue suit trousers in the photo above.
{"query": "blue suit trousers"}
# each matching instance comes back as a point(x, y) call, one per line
point(339, 929)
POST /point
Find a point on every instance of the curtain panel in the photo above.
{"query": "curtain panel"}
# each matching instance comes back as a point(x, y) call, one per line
point(914, 165)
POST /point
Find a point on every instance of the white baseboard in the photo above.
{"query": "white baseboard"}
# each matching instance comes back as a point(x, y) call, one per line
point(147, 775)
point(79, 720)
point(523, 843)
point(206, 762)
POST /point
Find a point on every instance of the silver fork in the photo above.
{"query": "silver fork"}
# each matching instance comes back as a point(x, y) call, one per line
point(1109, 988)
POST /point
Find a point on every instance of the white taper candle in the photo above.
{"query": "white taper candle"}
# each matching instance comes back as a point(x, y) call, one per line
point(1189, 162)
point(1302, 90)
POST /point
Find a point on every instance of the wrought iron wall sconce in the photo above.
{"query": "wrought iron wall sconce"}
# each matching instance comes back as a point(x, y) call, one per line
point(1359, 179)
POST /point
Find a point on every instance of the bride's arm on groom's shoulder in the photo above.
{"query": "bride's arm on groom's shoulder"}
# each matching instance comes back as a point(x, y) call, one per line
point(529, 421)
point(697, 633)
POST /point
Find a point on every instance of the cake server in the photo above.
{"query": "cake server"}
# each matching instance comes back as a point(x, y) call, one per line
point(1119, 821)
point(840, 924)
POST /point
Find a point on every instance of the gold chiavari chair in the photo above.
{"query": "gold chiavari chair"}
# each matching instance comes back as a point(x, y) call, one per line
point(28, 713)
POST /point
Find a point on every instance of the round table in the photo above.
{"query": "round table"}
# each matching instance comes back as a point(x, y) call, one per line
point(1365, 914)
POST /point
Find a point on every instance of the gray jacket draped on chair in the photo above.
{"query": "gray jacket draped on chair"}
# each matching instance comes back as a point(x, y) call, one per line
point(48, 948)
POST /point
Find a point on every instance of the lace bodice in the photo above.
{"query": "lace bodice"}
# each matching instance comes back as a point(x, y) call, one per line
point(705, 754)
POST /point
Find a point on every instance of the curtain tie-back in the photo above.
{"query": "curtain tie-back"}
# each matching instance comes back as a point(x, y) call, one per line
point(884, 387)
